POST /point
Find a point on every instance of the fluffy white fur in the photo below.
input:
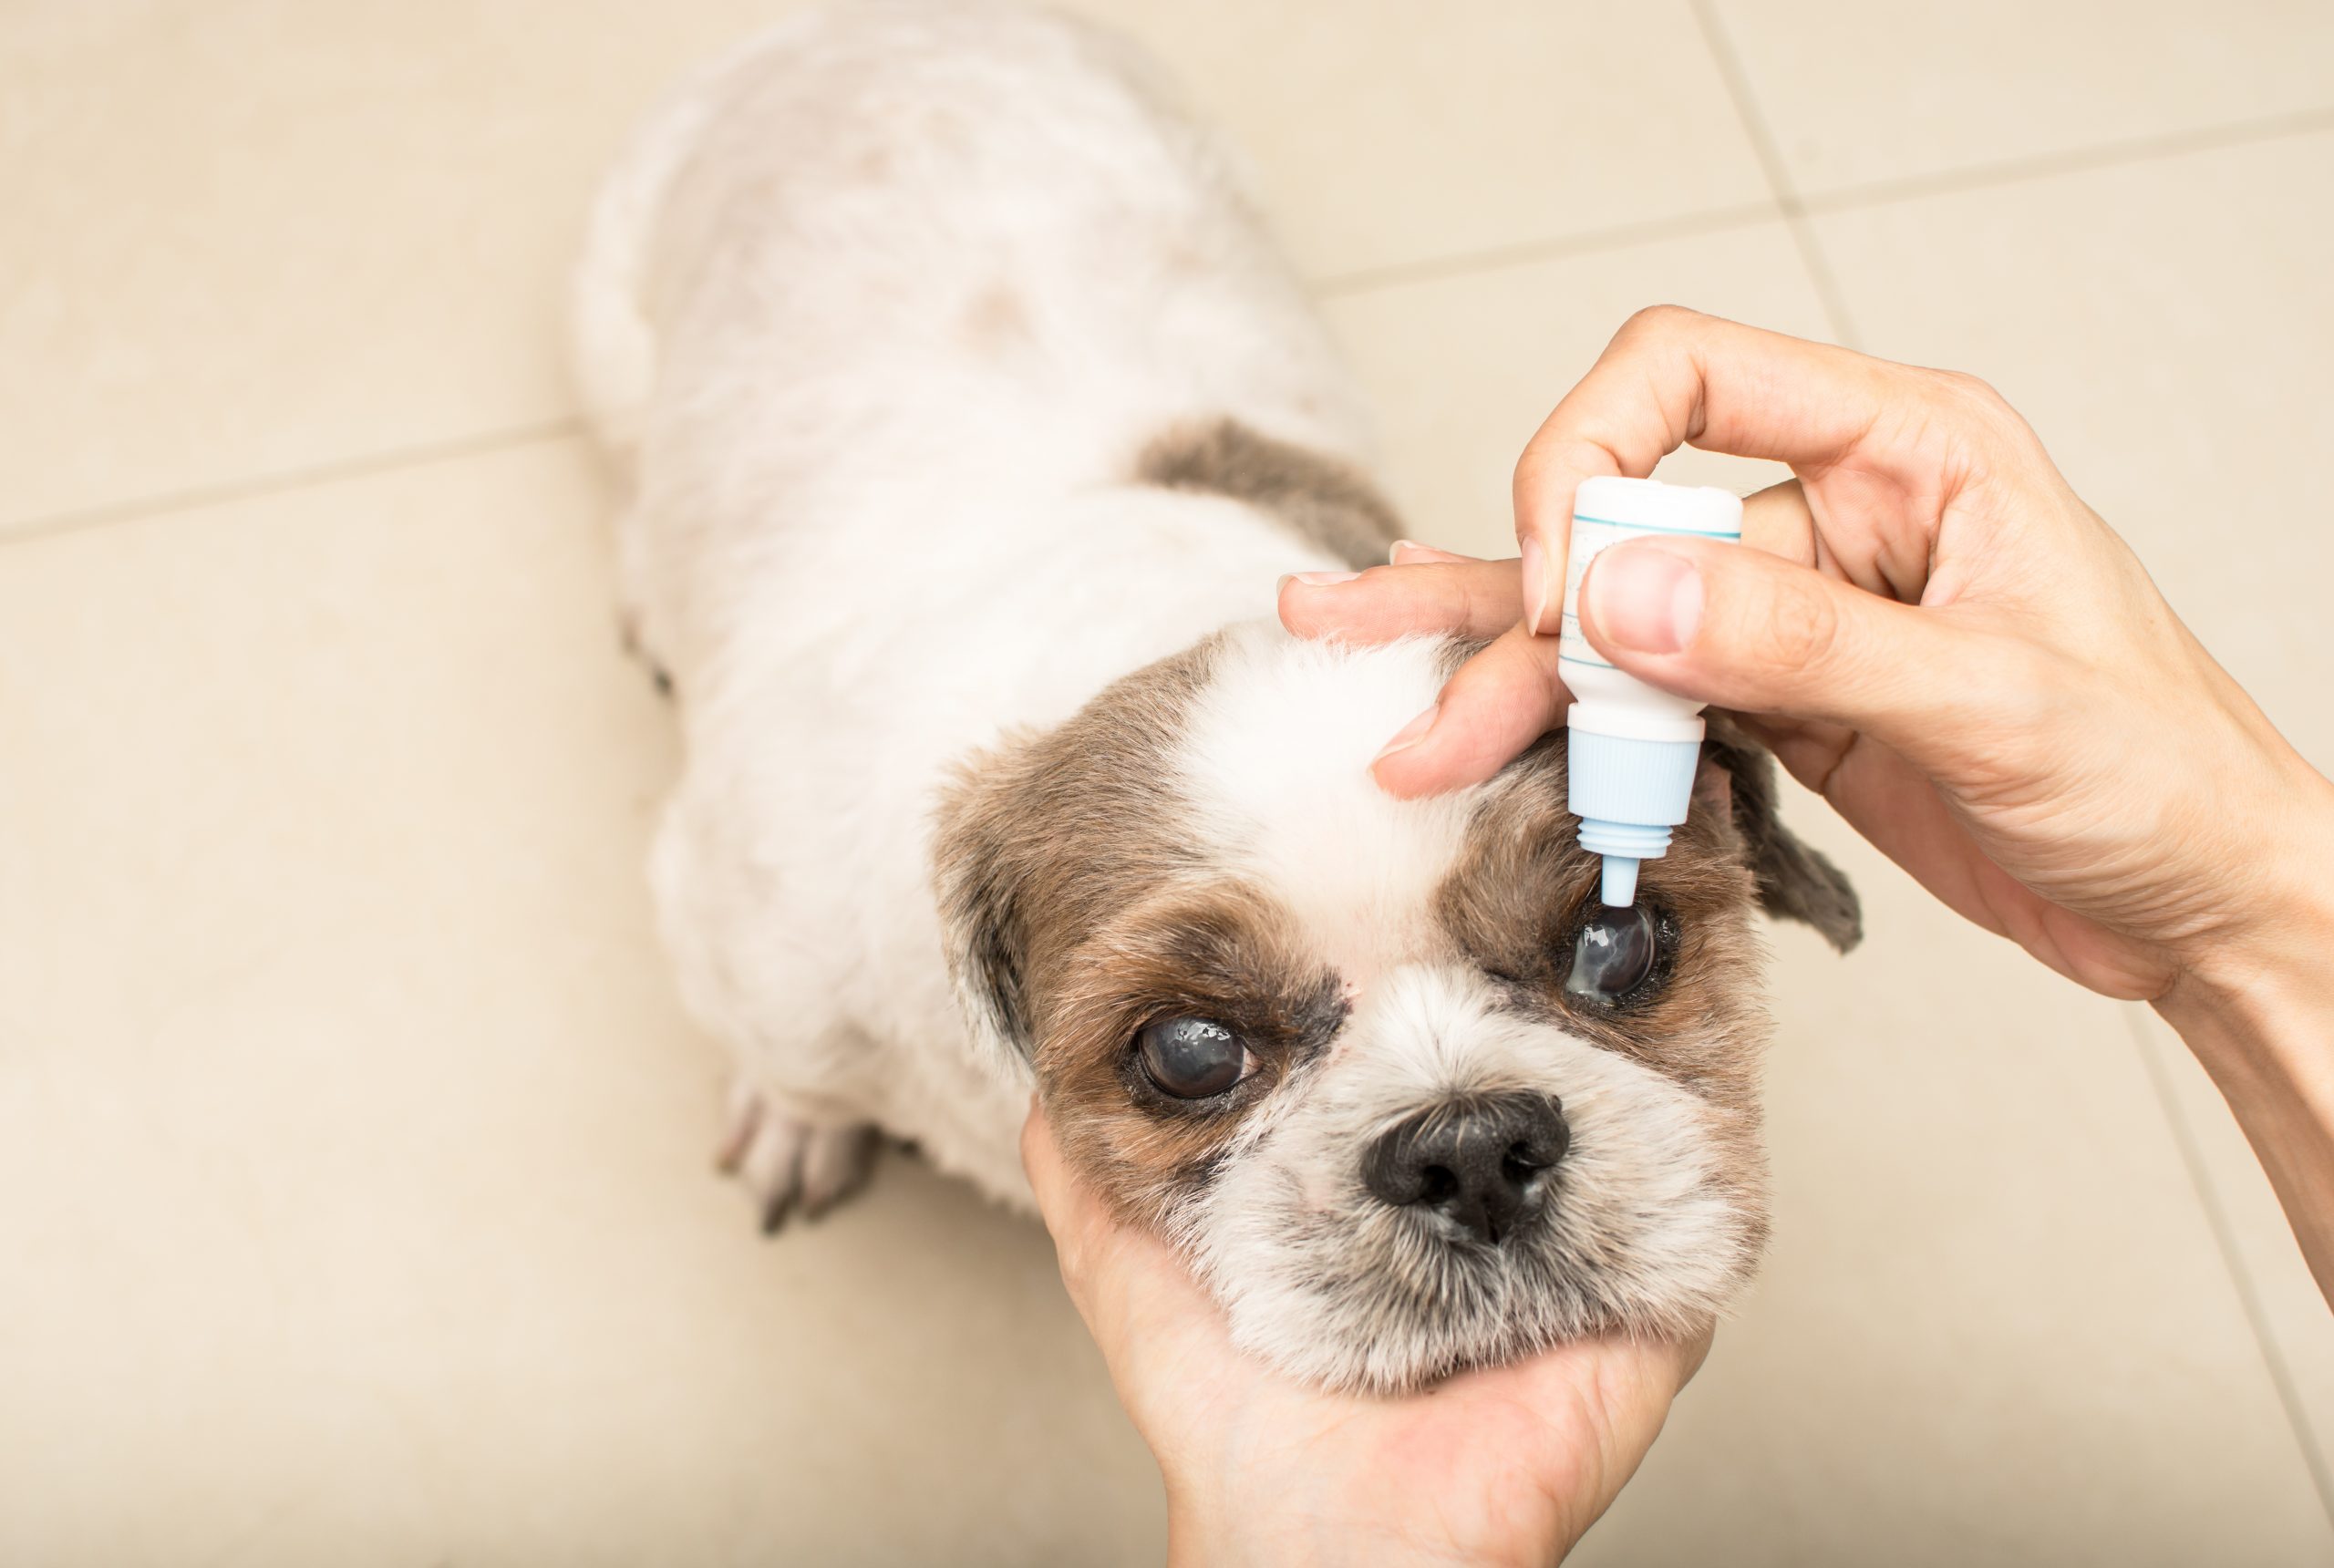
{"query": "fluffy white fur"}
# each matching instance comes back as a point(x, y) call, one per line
point(1324, 1280)
point(879, 445)
point(876, 317)
point(1277, 765)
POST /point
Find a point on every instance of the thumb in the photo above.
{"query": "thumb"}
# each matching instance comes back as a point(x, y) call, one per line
point(1744, 629)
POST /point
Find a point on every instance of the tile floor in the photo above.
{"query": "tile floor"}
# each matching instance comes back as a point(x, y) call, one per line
point(352, 1181)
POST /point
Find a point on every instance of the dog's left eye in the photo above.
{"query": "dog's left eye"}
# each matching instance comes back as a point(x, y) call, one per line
point(1613, 954)
point(1191, 1058)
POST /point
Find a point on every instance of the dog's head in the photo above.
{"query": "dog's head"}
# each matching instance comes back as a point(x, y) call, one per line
point(1406, 1094)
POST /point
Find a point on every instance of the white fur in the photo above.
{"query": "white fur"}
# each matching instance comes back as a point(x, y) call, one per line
point(877, 307)
point(878, 314)
point(1277, 762)
point(1325, 1281)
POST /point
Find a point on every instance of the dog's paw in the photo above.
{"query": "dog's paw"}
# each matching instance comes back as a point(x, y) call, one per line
point(792, 1165)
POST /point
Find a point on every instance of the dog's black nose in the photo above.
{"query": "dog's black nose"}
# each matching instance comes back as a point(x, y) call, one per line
point(1482, 1161)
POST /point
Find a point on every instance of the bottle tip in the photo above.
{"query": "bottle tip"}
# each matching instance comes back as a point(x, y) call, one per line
point(1620, 883)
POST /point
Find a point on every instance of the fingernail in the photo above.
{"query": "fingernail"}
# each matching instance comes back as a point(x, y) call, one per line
point(1323, 579)
point(1535, 584)
point(1409, 735)
point(1394, 556)
point(1644, 598)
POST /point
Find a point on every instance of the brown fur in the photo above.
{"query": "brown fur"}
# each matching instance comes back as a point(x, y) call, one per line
point(1219, 953)
point(1079, 912)
point(1523, 887)
point(1327, 500)
point(1064, 861)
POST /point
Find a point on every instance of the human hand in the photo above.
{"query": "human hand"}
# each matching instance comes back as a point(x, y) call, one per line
point(1934, 633)
point(1505, 1466)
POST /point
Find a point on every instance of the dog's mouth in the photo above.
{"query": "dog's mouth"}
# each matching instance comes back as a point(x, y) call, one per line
point(1461, 1242)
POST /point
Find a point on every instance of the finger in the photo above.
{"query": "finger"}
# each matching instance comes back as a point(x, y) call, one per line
point(1411, 552)
point(1071, 1213)
point(1777, 519)
point(1459, 597)
point(1672, 376)
point(1150, 1318)
point(1745, 630)
point(1501, 701)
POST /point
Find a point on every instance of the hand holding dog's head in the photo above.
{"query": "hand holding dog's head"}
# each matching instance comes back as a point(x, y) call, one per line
point(1406, 1094)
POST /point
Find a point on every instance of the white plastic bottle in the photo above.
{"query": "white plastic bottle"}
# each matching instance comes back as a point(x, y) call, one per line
point(1632, 749)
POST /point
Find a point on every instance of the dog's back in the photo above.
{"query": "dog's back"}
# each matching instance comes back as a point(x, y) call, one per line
point(895, 263)
point(887, 316)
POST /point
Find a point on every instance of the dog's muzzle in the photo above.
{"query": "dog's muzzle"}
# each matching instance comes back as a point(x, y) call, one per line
point(1485, 1164)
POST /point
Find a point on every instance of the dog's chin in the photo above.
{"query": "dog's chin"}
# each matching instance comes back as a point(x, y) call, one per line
point(1383, 1305)
point(1649, 1225)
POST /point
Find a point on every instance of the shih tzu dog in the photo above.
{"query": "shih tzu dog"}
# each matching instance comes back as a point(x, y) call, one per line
point(968, 416)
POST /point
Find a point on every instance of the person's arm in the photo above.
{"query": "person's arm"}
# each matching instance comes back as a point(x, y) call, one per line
point(2261, 1016)
point(1940, 638)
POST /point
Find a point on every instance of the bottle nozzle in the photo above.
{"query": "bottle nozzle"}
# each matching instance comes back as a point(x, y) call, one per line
point(1620, 884)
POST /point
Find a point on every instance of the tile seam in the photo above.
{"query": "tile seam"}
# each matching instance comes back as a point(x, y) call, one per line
point(1763, 146)
point(311, 476)
point(2208, 1196)
point(1794, 209)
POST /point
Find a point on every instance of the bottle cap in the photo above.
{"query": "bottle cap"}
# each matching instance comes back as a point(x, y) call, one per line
point(1628, 791)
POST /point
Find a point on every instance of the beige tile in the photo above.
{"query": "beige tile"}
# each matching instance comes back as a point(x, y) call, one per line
point(274, 235)
point(265, 235)
point(1462, 369)
point(353, 1154)
point(1883, 90)
point(1385, 135)
point(2167, 327)
point(2290, 1307)
point(1995, 1326)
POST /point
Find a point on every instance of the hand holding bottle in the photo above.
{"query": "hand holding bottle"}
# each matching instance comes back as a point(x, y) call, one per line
point(1938, 636)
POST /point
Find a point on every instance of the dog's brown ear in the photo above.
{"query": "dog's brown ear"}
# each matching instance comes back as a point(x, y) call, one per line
point(981, 874)
point(1795, 883)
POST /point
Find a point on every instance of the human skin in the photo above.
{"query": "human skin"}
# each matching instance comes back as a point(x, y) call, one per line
point(1934, 633)
point(1507, 1466)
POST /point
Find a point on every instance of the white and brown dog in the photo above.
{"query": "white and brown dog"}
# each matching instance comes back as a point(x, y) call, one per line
point(969, 414)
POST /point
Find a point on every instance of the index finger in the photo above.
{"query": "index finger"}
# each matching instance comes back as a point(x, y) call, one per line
point(1671, 377)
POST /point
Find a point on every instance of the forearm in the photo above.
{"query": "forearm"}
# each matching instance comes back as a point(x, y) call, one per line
point(2262, 1023)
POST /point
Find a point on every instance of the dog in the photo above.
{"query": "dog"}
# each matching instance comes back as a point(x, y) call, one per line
point(965, 413)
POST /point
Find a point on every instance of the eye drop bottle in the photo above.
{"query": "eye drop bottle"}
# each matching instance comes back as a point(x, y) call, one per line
point(1632, 748)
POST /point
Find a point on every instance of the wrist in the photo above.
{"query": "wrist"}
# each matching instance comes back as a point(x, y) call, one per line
point(2260, 1018)
point(1295, 1537)
point(2268, 956)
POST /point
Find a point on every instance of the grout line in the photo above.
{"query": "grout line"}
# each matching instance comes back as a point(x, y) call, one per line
point(1793, 209)
point(2208, 1194)
point(1771, 159)
point(364, 466)
point(1707, 222)
point(2075, 160)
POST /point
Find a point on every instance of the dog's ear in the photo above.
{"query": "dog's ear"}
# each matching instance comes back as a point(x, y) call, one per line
point(1794, 882)
point(981, 873)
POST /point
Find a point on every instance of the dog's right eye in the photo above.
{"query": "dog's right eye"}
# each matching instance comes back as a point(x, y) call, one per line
point(1191, 1058)
point(1612, 955)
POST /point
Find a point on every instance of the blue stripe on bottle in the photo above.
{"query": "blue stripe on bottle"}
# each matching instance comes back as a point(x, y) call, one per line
point(1657, 528)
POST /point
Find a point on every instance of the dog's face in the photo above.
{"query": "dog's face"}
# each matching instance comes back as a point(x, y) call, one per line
point(1406, 1094)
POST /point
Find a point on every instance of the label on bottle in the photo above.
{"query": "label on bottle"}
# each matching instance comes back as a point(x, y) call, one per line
point(1590, 537)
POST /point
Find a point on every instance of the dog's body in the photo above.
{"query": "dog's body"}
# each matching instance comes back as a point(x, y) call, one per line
point(965, 405)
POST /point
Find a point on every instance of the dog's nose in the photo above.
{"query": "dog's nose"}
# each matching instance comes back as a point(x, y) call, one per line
point(1482, 1161)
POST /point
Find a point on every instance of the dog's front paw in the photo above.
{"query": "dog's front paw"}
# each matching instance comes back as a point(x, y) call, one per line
point(790, 1164)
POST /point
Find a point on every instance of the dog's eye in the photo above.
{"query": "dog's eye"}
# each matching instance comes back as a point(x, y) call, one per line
point(1191, 1058)
point(1613, 954)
